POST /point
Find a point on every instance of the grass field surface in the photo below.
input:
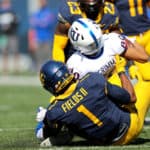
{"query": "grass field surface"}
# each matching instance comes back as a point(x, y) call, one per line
point(18, 106)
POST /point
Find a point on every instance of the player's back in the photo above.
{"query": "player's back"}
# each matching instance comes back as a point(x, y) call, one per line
point(133, 16)
point(89, 110)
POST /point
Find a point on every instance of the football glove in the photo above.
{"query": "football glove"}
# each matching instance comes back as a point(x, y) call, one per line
point(39, 130)
point(40, 114)
point(120, 64)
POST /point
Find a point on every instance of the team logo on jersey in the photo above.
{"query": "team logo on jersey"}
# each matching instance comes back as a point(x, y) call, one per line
point(74, 35)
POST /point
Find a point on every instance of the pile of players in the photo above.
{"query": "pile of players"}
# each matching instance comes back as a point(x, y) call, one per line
point(98, 49)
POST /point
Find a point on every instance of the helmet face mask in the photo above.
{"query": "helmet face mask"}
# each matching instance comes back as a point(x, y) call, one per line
point(85, 36)
point(55, 77)
point(91, 7)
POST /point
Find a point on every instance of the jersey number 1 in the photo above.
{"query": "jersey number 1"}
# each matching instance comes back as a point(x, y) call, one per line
point(89, 115)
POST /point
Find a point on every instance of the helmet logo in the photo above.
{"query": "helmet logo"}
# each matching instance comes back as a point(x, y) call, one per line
point(74, 35)
point(42, 78)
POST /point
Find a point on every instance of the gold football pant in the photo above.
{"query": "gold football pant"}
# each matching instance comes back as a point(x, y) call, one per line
point(144, 40)
point(137, 118)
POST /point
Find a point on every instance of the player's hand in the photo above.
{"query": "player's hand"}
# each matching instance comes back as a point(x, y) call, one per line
point(120, 64)
point(40, 114)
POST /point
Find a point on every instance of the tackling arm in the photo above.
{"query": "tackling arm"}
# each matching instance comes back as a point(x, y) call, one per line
point(125, 82)
point(60, 42)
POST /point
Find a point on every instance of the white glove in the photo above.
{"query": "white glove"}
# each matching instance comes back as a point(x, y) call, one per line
point(40, 114)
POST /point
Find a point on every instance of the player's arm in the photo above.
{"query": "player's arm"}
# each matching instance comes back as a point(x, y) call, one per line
point(127, 48)
point(60, 42)
point(135, 52)
point(112, 24)
point(125, 82)
point(61, 32)
point(117, 94)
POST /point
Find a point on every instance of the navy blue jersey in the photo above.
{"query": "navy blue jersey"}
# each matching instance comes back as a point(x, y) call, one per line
point(70, 11)
point(90, 110)
point(133, 17)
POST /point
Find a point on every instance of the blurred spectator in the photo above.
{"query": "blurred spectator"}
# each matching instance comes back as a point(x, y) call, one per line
point(8, 35)
point(40, 35)
point(148, 9)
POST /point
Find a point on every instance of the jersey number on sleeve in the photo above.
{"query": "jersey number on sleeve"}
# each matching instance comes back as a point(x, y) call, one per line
point(74, 8)
point(135, 10)
point(90, 115)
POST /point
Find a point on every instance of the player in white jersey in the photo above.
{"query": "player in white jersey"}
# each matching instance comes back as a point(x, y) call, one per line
point(96, 52)
point(103, 61)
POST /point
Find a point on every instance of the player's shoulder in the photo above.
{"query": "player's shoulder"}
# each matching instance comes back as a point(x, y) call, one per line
point(74, 58)
point(94, 76)
point(113, 41)
point(109, 8)
point(111, 36)
point(109, 4)
point(66, 9)
point(67, 3)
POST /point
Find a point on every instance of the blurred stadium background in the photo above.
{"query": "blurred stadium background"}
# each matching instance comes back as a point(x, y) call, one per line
point(24, 8)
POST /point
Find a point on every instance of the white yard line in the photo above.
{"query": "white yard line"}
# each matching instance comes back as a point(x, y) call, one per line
point(15, 129)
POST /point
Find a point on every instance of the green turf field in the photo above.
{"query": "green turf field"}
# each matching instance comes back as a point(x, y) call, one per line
point(17, 121)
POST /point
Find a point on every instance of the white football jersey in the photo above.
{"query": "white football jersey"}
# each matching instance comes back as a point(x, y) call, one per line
point(104, 62)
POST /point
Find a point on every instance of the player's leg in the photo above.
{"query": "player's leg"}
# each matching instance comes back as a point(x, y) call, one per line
point(137, 119)
point(144, 39)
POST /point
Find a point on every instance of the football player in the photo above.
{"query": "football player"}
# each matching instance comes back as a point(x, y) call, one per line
point(135, 24)
point(105, 14)
point(97, 52)
point(90, 107)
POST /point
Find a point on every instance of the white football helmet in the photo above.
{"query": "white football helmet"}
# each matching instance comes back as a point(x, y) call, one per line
point(85, 36)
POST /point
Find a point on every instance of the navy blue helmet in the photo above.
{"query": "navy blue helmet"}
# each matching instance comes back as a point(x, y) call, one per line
point(55, 77)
